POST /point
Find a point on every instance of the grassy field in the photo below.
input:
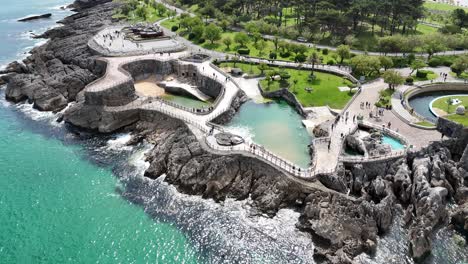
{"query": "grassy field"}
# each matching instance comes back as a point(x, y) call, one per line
point(324, 88)
point(254, 51)
point(461, 119)
point(441, 6)
point(442, 103)
point(449, 111)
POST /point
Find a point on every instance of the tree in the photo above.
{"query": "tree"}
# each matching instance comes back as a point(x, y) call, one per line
point(256, 36)
point(365, 65)
point(313, 59)
point(228, 42)
point(208, 11)
point(417, 65)
point(212, 33)
point(393, 79)
point(160, 8)
point(251, 27)
point(224, 24)
point(386, 62)
point(276, 42)
point(198, 31)
point(434, 43)
point(460, 65)
point(263, 67)
point(344, 52)
point(260, 46)
point(242, 39)
point(459, 17)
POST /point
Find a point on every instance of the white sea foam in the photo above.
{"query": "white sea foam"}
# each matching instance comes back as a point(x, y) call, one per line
point(138, 160)
point(243, 131)
point(119, 142)
point(35, 114)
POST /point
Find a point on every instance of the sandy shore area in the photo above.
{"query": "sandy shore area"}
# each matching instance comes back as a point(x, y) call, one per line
point(149, 88)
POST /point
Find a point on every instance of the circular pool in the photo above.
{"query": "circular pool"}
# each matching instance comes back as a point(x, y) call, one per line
point(421, 103)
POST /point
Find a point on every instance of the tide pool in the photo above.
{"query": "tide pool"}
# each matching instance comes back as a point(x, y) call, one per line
point(277, 126)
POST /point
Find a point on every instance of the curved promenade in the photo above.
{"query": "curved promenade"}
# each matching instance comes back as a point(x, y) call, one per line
point(328, 150)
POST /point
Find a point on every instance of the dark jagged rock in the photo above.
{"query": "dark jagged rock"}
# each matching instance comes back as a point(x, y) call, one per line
point(35, 17)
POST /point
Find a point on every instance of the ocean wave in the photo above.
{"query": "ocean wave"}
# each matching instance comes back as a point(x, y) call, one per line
point(35, 114)
point(119, 142)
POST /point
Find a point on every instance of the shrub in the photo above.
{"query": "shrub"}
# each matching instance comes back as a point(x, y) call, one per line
point(201, 41)
point(421, 74)
point(285, 54)
point(191, 36)
point(273, 55)
point(300, 58)
point(399, 62)
point(174, 28)
point(285, 75)
point(409, 80)
point(435, 62)
point(243, 51)
point(331, 62)
point(325, 51)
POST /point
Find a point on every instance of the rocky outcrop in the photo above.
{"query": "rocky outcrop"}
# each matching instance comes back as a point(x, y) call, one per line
point(227, 116)
point(56, 72)
point(35, 17)
point(286, 95)
point(186, 164)
point(355, 143)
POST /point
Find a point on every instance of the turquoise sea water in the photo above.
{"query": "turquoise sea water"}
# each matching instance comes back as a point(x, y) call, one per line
point(56, 207)
point(70, 199)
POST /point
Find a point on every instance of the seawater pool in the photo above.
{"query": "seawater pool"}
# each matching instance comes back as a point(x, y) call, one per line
point(393, 142)
point(277, 126)
point(186, 101)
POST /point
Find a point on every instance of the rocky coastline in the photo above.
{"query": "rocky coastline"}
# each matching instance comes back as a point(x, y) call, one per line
point(421, 185)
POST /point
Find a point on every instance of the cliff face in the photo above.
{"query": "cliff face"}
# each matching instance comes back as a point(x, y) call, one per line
point(56, 72)
point(187, 165)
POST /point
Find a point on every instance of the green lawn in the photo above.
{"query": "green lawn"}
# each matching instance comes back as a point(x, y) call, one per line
point(426, 29)
point(442, 103)
point(441, 6)
point(324, 88)
point(461, 119)
point(425, 124)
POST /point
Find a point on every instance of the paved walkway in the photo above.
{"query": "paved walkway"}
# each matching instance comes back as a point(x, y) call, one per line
point(370, 93)
point(327, 150)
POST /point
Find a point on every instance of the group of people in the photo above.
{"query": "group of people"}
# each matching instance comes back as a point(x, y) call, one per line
point(444, 75)
point(365, 105)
